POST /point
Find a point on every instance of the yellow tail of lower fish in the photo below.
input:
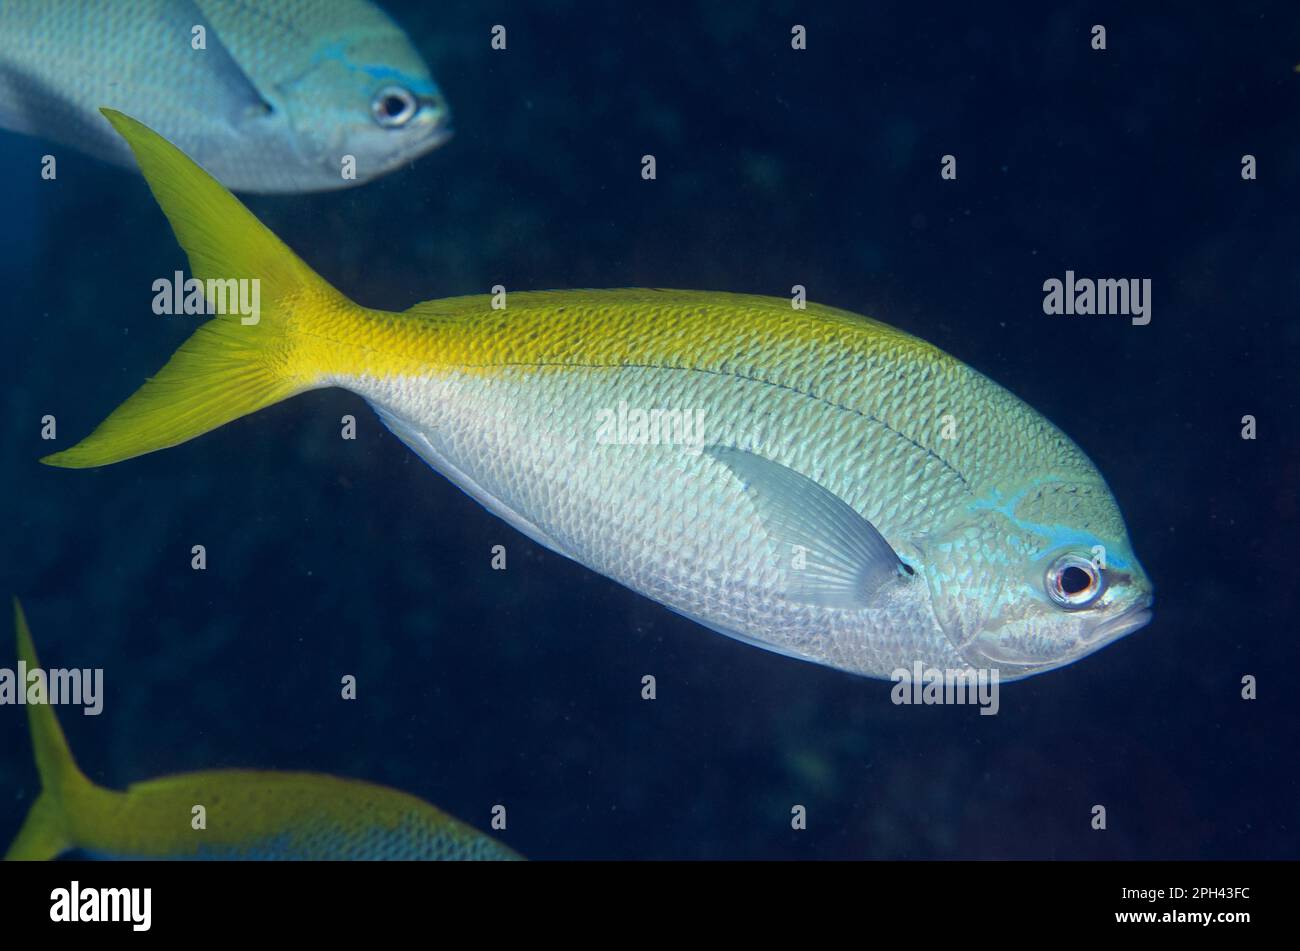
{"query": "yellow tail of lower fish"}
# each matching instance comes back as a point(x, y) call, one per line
point(67, 796)
point(249, 814)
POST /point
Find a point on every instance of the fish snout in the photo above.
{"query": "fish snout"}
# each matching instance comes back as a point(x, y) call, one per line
point(1137, 615)
point(429, 127)
point(1022, 651)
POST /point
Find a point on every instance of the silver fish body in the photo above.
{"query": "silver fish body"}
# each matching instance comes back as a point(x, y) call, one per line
point(819, 509)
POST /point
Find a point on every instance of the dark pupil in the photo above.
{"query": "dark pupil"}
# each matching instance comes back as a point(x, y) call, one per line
point(1074, 579)
point(394, 106)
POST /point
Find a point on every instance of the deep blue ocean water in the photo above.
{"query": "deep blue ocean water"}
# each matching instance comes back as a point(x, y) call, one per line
point(775, 167)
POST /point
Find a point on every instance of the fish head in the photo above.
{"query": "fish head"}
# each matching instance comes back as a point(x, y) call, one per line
point(369, 96)
point(1038, 578)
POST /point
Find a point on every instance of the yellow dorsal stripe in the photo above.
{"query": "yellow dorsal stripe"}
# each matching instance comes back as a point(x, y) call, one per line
point(546, 330)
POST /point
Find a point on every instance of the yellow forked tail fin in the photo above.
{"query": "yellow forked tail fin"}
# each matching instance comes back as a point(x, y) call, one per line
point(235, 363)
point(47, 830)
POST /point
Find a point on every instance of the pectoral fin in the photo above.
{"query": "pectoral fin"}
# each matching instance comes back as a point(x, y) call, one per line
point(832, 556)
point(228, 90)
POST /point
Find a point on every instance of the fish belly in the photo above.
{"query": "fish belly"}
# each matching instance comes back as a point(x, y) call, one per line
point(591, 463)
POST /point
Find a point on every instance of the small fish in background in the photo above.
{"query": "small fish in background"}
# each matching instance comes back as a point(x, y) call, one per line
point(279, 94)
point(844, 493)
point(250, 814)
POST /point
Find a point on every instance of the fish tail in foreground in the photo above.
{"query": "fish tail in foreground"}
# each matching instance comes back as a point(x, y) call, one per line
point(68, 799)
point(262, 814)
point(236, 363)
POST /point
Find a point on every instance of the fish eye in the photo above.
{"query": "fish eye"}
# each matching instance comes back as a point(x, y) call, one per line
point(393, 107)
point(1073, 582)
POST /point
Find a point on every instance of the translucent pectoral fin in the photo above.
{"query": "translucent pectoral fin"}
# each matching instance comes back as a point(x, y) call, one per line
point(831, 555)
point(229, 92)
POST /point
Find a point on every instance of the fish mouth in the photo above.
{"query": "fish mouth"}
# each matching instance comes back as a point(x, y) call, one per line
point(434, 118)
point(440, 134)
point(1126, 622)
point(434, 134)
point(431, 127)
point(1014, 665)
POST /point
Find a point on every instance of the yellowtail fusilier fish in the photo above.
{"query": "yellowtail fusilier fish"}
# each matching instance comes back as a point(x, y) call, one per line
point(849, 494)
point(248, 814)
point(278, 95)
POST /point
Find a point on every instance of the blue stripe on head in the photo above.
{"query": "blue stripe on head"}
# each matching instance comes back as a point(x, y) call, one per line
point(338, 52)
point(1057, 536)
